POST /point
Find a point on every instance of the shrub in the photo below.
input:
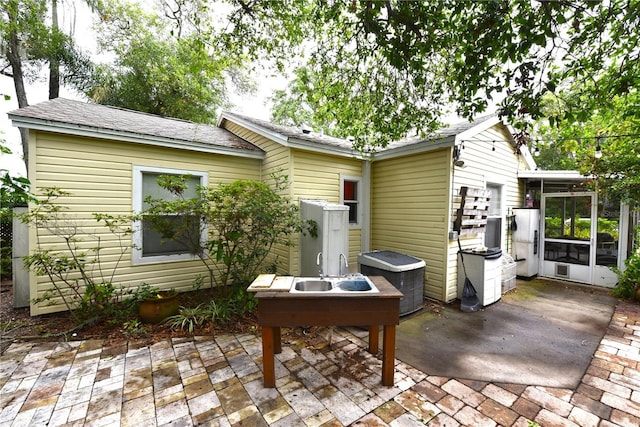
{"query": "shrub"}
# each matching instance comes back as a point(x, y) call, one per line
point(74, 267)
point(188, 319)
point(629, 279)
point(242, 220)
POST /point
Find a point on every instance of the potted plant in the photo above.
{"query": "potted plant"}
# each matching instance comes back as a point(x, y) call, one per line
point(158, 305)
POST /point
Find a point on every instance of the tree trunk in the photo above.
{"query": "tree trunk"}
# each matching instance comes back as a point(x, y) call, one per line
point(13, 54)
point(54, 64)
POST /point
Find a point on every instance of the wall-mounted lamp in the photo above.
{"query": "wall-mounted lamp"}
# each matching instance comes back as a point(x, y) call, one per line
point(536, 152)
point(458, 151)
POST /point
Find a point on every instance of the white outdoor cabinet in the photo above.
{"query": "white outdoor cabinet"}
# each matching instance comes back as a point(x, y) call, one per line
point(332, 239)
point(526, 241)
point(484, 270)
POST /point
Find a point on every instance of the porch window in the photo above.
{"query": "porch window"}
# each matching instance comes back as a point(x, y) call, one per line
point(150, 245)
point(351, 197)
point(608, 233)
point(567, 229)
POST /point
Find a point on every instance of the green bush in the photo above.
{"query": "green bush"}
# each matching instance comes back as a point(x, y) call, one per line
point(242, 220)
point(74, 267)
point(629, 279)
point(189, 318)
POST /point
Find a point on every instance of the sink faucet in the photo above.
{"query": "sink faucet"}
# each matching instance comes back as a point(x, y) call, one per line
point(346, 264)
point(319, 264)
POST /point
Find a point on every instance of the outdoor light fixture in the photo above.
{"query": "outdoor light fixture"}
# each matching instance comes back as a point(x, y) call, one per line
point(536, 152)
point(457, 155)
point(598, 153)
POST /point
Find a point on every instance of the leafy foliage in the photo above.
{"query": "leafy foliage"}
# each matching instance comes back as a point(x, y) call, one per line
point(14, 191)
point(75, 268)
point(387, 69)
point(237, 304)
point(242, 222)
point(614, 128)
point(25, 32)
point(162, 68)
point(190, 318)
point(629, 279)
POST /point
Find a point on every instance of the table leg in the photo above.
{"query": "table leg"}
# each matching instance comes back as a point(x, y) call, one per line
point(268, 356)
point(374, 332)
point(388, 354)
point(277, 340)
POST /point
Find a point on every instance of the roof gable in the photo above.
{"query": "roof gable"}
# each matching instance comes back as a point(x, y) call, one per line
point(101, 121)
point(290, 136)
point(296, 137)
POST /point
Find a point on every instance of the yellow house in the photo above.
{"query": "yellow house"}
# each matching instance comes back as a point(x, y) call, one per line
point(107, 160)
point(402, 198)
point(406, 193)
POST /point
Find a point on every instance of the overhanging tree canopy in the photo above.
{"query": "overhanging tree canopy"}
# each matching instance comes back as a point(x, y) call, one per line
point(386, 69)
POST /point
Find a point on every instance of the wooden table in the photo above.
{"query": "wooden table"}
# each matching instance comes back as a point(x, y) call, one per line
point(285, 309)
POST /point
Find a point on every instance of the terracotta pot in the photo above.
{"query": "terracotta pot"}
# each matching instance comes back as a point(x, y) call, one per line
point(157, 308)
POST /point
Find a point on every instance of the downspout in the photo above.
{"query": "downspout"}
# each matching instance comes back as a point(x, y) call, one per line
point(365, 237)
point(449, 228)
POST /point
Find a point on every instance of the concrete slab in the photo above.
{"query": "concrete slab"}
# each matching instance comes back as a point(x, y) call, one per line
point(543, 333)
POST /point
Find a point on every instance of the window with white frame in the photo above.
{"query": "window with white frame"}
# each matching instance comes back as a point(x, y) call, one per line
point(493, 230)
point(350, 196)
point(150, 245)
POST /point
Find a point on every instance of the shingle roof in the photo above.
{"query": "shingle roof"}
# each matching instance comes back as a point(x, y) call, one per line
point(94, 117)
point(295, 132)
point(440, 134)
point(343, 144)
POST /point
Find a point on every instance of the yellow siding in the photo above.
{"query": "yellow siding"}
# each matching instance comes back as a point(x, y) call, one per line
point(482, 165)
point(311, 176)
point(98, 174)
point(277, 160)
point(317, 176)
point(410, 210)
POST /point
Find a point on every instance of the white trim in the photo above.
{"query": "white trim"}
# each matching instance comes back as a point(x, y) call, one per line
point(552, 174)
point(290, 141)
point(324, 148)
point(123, 136)
point(480, 127)
point(136, 256)
point(496, 183)
point(253, 127)
point(365, 239)
point(421, 146)
point(359, 192)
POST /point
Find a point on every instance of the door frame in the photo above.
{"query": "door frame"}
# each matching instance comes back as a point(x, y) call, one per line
point(575, 272)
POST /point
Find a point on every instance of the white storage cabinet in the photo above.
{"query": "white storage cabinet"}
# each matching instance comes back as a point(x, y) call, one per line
point(485, 273)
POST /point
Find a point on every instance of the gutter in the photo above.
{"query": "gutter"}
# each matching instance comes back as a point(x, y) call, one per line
point(418, 147)
point(289, 141)
point(95, 132)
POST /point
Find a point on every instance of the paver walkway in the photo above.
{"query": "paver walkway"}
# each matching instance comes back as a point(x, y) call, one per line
point(217, 381)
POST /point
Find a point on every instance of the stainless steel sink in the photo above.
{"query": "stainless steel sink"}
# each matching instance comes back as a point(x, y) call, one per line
point(313, 285)
point(352, 284)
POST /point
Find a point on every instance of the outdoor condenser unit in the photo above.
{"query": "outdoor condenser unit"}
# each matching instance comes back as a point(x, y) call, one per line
point(404, 272)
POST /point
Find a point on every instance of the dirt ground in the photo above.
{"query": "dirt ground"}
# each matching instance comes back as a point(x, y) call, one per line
point(18, 324)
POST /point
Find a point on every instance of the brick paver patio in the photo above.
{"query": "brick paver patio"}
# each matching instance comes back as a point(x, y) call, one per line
point(217, 381)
